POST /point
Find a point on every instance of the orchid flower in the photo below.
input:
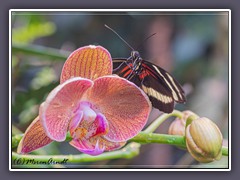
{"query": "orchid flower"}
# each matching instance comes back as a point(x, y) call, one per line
point(101, 111)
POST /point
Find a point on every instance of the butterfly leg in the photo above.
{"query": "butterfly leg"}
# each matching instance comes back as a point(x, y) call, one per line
point(116, 69)
point(130, 76)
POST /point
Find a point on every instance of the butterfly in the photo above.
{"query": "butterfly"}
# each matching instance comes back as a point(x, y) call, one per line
point(160, 86)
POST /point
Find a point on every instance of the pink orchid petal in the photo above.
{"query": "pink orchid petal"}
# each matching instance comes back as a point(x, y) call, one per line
point(125, 106)
point(98, 127)
point(86, 147)
point(108, 145)
point(59, 107)
point(34, 138)
point(88, 62)
point(75, 121)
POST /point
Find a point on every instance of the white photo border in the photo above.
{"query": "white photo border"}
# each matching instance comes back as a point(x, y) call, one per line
point(121, 10)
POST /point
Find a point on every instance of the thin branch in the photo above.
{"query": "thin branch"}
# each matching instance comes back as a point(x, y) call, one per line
point(146, 138)
point(156, 123)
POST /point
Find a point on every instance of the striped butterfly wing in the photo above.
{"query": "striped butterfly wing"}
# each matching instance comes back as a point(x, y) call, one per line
point(158, 93)
point(167, 80)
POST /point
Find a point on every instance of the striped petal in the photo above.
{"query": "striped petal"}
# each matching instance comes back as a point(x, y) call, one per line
point(59, 107)
point(34, 138)
point(125, 106)
point(88, 62)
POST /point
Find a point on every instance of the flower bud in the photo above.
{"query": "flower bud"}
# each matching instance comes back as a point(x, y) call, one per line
point(178, 125)
point(204, 140)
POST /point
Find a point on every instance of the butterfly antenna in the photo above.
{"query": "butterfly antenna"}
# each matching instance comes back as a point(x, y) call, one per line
point(146, 40)
point(118, 36)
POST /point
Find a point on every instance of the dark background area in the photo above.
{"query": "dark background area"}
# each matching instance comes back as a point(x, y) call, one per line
point(6, 5)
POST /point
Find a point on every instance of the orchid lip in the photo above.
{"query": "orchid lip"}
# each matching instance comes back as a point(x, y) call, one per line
point(86, 123)
point(85, 147)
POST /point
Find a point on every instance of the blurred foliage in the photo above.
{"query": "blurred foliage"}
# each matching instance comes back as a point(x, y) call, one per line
point(26, 103)
point(31, 28)
point(26, 99)
point(43, 78)
point(29, 33)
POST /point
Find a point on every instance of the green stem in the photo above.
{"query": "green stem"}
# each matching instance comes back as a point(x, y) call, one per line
point(156, 123)
point(146, 138)
point(36, 50)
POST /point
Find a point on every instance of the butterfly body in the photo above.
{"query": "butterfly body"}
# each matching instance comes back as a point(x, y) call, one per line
point(161, 87)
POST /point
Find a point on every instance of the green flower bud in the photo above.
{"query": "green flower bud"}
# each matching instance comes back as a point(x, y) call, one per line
point(204, 140)
point(178, 125)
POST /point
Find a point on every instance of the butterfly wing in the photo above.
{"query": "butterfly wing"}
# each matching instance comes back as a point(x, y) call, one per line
point(167, 80)
point(158, 93)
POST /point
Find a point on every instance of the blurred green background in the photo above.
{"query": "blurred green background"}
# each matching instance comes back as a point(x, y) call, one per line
point(193, 46)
